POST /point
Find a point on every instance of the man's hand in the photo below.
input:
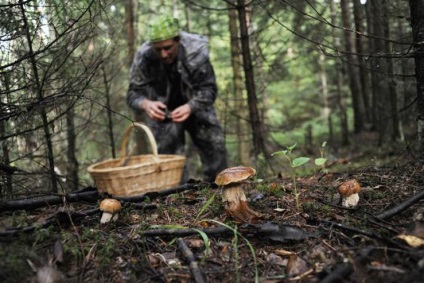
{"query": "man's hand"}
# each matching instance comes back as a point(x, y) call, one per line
point(180, 114)
point(154, 109)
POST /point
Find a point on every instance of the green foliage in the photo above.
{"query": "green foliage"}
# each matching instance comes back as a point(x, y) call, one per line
point(294, 163)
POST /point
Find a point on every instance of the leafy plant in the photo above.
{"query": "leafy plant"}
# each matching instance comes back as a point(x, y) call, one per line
point(299, 161)
point(322, 159)
point(294, 163)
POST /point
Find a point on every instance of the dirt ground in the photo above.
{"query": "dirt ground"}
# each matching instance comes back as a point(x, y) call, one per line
point(187, 236)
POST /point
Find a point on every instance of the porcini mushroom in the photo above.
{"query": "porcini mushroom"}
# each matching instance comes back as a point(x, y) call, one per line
point(348, 191)
point(110, 208)
point(233, 180)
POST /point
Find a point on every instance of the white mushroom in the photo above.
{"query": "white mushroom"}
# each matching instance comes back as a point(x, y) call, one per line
point(348, 190)
point(110, 208)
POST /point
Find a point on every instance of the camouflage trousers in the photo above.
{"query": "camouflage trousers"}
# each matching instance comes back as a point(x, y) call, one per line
point(206, 134)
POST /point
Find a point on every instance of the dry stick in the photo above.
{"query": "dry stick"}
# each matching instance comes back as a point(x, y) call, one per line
point(194, 266)
point(42, 201)
point(90, 195)
point(401, 207)
point(59, 216)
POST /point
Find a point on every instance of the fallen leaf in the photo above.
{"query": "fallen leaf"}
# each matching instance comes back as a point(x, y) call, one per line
point(296, 265)
point(413, 241)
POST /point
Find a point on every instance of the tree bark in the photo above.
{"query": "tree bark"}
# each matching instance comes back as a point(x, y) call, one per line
point(341, 97)
point(38, 89)
point(257, 132)
point(242, 128)
point(417, 20)
point(72, 163)
point(129, 26)
point(362, 49)
point(352, 69)
point(380, 71)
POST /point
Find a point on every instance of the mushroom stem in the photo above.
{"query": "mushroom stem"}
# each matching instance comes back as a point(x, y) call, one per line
point(106, 217)
point(236, 205)
point(350, 201)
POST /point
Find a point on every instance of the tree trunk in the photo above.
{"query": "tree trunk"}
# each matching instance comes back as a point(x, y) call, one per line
point(257, 132)
point(6, 179)
point(381, 91)
point(362, 49)
point(39, 91)
point(242, 128)
point(341, 97)
point(129, 26)
point(72, 162)
point(417, 20)
point(352, 69)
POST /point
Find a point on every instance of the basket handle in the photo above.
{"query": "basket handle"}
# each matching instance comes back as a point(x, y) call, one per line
point(149, 134)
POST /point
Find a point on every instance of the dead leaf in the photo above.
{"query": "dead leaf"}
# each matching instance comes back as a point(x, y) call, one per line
point(413, 241)
point(296, 265)
point(195, 243)
point(276, 260)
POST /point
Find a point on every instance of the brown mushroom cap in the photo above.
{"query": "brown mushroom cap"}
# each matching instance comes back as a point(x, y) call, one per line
point(233, 175)
point(110, 205)
point(349, 188)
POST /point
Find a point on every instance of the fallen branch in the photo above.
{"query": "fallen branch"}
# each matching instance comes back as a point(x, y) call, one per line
point(178, 189)
point(401, 207)
point(195, 270)
point(60, 216)
point(267, 231)
point(88, 195)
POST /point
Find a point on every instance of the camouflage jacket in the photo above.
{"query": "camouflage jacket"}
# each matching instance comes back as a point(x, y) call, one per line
point(148, 78)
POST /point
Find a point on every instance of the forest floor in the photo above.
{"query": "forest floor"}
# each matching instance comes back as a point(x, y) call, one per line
point(187, 237)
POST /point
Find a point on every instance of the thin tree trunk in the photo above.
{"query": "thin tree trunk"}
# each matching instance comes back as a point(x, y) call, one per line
point(417, 19)
point(392, 82)
point(370, 63)
point(242, 129)
point(38, 89)
point(381, 91)
point(341, 97)
point(109, 114)
point(257, 132)
point(72, 162)
point(361, 48)
point(352, 69)
point(129, 26)
point(6, 179)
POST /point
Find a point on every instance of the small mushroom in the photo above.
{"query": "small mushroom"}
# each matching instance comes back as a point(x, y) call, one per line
point(110, 208)
point(348, 191)
point(232, 180)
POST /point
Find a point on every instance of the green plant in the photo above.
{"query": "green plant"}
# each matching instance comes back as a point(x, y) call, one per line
point(299, 161)
point(294, 164)
point(322, 159)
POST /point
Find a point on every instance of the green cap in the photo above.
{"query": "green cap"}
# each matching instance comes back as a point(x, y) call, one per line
point(163, 28)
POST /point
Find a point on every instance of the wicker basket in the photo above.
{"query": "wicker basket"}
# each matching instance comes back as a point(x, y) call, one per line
point(136, 175)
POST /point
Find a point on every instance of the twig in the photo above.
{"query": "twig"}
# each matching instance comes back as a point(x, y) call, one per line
point(402, 206)
point(178, 189)
point(89, 195)
point(59, 216)
point(194, 266)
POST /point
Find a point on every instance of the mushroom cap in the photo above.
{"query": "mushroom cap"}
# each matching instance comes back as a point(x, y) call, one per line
point(234, 175)
point(110, 205)
point(349, 188)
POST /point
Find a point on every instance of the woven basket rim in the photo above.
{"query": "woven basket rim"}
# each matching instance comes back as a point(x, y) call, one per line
point(170, 157)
